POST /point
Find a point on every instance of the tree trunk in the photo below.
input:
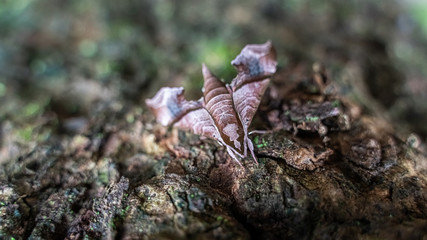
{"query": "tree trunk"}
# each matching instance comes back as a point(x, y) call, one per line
point(326, 171)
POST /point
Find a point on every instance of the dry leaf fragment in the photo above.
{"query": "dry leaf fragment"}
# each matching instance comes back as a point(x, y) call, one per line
point(225, 111)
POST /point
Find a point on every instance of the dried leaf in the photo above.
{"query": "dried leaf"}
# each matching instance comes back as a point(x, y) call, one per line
point(225, 111)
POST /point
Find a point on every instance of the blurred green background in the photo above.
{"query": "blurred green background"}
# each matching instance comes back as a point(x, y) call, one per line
point(60, 58)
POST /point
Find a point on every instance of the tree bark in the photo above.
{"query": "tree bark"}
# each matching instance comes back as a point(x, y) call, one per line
point(326, 171)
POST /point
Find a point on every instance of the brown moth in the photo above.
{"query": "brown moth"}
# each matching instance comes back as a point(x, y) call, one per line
point(225, 112)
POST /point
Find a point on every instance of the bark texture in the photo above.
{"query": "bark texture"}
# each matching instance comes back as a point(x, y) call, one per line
point(326, 171)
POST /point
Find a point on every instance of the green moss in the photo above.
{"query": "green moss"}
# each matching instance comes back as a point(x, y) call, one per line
point(261, 144)
point(124, 211)
point(103, 177)
point(336, 103)
point(295, 119)
point(256, 140)
point(25, 133)
point(31, 109)
point(311, 119)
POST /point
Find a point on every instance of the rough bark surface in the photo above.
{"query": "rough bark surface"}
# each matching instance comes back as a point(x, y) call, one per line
point(326, 171)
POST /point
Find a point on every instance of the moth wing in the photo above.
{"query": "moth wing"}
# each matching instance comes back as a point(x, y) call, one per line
point(199, 122)
point(246, 100)
point(169, 105)
point(219, 104)
point(170, 108)
point(255, 64)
